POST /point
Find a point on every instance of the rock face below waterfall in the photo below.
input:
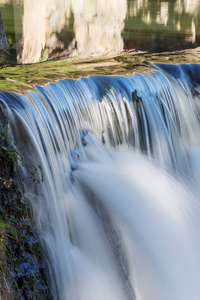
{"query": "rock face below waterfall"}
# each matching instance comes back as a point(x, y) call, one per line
point(23, 267)
point(3, 39)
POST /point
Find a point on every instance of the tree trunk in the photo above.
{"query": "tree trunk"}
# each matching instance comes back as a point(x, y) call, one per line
point(3, 39)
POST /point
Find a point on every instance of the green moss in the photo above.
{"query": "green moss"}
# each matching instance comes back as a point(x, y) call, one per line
point(19, 78)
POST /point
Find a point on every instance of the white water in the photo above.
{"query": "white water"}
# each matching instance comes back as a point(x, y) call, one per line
point(118, 212)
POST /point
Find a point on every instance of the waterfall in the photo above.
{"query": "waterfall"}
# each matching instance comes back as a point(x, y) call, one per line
point(118, 210)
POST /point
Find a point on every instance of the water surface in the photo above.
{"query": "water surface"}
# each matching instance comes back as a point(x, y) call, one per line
point(60, 28)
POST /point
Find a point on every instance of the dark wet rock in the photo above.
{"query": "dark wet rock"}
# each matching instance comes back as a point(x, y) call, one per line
point(23, 266)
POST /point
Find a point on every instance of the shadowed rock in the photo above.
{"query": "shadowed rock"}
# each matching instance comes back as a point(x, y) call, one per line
point(3, 39)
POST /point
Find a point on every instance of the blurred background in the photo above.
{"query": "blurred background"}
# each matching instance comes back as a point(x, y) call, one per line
point(50, 29)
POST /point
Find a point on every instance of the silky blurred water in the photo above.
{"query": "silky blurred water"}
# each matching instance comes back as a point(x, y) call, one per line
point(118, 211)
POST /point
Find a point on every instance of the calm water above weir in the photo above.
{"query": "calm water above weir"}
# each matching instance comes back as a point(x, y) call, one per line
point(59, 28)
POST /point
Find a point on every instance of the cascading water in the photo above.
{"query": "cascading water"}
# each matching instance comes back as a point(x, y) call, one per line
point(118, 211)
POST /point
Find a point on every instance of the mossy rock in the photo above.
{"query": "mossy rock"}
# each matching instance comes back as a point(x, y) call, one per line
point(23, 267)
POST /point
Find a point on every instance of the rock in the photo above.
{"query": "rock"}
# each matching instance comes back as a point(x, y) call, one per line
point(3, 39)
